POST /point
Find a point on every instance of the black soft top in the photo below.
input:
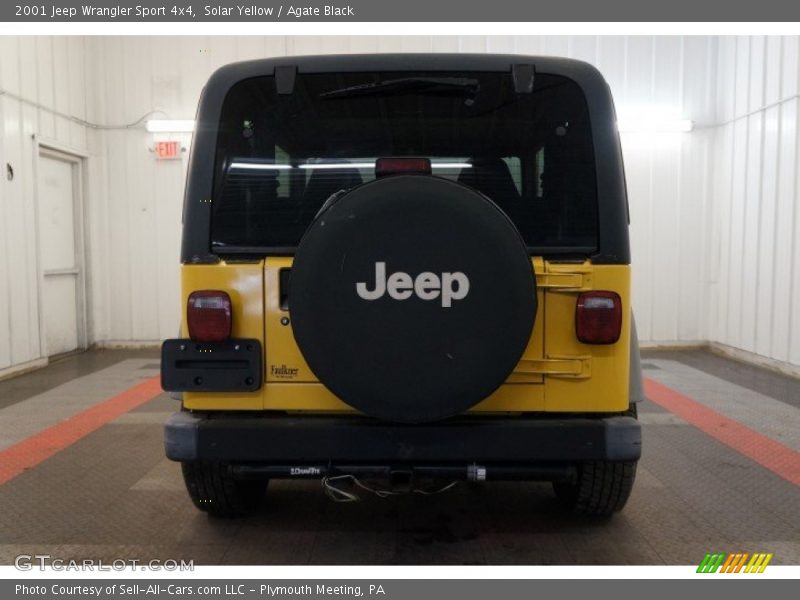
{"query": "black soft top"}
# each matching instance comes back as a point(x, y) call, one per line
point(613, 245)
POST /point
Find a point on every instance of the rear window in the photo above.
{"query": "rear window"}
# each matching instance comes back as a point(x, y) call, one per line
point(280, 156)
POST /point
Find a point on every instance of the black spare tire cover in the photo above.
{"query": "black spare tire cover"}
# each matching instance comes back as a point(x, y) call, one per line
point(412, 298)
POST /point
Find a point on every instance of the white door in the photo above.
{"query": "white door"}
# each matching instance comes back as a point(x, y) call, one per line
point(59, 253)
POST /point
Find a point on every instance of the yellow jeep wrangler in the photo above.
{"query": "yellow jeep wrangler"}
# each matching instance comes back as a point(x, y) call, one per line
point(405, 268)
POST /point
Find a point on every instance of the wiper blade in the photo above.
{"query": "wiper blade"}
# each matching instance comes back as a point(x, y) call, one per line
point(406, 84)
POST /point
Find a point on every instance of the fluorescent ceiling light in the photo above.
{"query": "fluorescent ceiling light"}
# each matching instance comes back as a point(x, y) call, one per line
point(345, 165)
point(451, 165)
point(313, 166)
point(652, 118)
point(370, 165)
point(651, 125)
point(261, 166)
point(170, 125)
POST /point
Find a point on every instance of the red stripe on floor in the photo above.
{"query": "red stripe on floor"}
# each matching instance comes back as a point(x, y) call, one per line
point(41, 446)
point(776, 457)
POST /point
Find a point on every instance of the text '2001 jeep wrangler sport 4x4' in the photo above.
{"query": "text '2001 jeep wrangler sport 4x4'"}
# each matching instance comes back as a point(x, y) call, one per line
point(409, 266)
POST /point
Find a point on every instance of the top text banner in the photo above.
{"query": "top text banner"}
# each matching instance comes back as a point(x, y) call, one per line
point(402, 11)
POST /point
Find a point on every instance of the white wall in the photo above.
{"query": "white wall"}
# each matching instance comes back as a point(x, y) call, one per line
point(691, 195)
point(668, 176)
point(754, 255)
point(51, 72)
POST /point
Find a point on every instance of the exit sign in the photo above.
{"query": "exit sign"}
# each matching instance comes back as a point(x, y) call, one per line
point(168, 150)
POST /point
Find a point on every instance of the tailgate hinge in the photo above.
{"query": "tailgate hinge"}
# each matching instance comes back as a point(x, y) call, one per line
point(564, 281)
point(572, 367)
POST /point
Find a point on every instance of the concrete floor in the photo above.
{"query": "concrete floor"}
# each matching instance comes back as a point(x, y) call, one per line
point(112, 495)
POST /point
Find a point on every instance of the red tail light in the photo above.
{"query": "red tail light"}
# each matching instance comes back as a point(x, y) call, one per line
point(392, 166)
point(598, 317)
point(208, 316)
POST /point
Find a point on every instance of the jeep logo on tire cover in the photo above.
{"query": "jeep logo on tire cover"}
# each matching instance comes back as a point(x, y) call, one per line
point(426, 286)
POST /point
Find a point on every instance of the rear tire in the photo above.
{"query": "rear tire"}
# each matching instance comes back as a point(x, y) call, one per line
point(601, 487)
point(213, 489)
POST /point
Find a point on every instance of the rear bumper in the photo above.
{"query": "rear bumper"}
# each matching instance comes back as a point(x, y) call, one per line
point(324, 440)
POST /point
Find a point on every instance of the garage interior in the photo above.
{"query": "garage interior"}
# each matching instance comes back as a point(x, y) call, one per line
point(89, 255)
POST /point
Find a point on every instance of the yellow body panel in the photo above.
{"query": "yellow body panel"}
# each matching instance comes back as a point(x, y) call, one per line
point(282, 351)
point(557, 373)
point(244, 284)
point(605, 387)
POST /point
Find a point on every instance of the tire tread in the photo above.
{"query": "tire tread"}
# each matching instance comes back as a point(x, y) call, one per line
point(602, 487)
point(213, 489)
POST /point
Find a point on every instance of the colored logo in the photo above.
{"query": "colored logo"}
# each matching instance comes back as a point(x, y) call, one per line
point(740, 562)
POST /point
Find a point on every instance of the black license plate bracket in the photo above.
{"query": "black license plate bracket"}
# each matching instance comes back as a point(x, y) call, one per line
point(233, 365)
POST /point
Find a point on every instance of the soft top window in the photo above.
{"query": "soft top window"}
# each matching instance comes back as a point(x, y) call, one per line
point(280, 156)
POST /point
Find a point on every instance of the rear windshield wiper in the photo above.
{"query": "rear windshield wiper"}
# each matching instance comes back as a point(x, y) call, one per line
point(407, 84)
